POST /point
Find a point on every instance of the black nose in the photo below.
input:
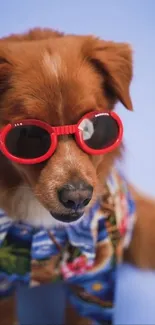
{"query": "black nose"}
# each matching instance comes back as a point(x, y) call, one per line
point(76, 195)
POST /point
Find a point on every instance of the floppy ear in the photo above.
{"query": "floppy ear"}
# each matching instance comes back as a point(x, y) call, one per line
point(5, 70)
point(114, 62)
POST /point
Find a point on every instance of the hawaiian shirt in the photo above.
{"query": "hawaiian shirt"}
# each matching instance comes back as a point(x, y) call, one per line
point(84, 254)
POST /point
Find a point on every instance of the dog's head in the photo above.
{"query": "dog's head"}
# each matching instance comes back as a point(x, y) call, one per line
point(57, 80)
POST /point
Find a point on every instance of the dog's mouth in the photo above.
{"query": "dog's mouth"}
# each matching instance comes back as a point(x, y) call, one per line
point(67, 218)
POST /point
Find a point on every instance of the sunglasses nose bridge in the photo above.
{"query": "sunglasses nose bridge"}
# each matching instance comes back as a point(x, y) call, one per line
point(64, 129)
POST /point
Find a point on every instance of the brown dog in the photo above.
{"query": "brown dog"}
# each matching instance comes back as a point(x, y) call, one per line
point(58, 78)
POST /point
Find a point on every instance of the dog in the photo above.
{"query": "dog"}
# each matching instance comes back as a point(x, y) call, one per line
point(58, 79)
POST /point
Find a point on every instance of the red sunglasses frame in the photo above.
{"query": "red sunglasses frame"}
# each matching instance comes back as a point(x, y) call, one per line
point(54, 132)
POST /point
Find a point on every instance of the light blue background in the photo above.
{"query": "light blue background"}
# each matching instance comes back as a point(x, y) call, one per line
point(119, 20)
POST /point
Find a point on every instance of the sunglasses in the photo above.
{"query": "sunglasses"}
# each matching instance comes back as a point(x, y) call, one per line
point(34, 141)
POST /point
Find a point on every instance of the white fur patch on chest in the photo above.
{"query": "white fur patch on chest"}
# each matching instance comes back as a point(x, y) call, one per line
point(29, 210)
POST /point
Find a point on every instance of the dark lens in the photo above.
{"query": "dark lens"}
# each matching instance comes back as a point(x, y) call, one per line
point(100, 131)
point(28, 141)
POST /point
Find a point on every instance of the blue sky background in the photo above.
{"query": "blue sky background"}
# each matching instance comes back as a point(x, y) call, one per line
point(120, 20)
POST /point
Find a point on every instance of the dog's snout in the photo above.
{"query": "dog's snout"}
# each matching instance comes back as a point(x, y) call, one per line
point(75, 196)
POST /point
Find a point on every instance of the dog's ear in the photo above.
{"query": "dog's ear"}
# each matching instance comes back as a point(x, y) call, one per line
point(5, 72)
point(114, 62)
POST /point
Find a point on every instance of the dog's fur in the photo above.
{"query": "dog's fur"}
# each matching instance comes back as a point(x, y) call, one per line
point(57, 78)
